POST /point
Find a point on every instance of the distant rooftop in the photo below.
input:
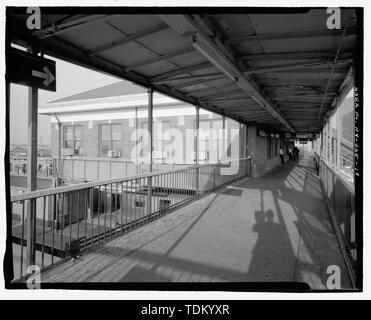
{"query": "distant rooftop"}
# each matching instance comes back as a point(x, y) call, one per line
point(120, 88)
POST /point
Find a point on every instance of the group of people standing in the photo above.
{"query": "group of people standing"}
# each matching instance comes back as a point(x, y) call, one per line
point(293, 153)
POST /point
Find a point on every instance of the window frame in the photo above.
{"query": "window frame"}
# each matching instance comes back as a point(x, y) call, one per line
point(74, 140)
point(111, 140)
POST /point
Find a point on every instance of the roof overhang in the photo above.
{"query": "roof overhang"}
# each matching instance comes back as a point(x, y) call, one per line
point(109, 103)
point(278, 68)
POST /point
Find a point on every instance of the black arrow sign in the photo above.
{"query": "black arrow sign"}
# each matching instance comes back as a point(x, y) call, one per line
point(30, 70)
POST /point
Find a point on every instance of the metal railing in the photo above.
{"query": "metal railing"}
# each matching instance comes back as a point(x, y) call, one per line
point(340, 195)
point(70, 219)
point(93, 169)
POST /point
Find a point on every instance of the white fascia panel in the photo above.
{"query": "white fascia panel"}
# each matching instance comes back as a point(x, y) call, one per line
point(164, 111)
point(128, 101)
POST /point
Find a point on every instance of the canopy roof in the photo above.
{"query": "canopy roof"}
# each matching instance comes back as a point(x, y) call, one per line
point(278, 68)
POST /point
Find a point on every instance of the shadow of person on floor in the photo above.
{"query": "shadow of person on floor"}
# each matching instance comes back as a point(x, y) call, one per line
point(272, 258)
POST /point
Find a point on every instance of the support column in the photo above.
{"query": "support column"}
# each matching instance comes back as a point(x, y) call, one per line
point(252, 148)
point(150, 146)
point(197, 145)
point(8, 257)
point(59, 174)
point(136, 141)
point(32, 174)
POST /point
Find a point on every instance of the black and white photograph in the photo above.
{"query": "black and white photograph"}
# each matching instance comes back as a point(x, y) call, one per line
point(183, 149)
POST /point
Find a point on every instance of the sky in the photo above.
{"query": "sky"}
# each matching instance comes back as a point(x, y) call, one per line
point(71, 79)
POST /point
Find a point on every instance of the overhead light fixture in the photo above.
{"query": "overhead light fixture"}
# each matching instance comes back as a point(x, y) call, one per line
point(296, 87)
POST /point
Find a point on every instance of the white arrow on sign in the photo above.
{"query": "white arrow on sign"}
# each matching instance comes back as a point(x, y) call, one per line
point(47, 75)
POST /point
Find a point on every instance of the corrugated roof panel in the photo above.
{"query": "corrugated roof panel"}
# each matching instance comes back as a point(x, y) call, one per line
point(298, 22)
point(126, 54)
point(222, 26)
point(166, 40)
point(91, 36)
point(301, 45)
point(131, 23)
point(157, 68)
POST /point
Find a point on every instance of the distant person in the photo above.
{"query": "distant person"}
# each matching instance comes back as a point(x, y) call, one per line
point(289, 153)
point(282, 153)
point(296, 153)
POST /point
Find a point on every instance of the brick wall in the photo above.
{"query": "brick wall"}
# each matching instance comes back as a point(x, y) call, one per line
point(91, 133)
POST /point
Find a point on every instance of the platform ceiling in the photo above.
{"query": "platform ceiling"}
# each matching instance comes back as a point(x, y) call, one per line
point(274, 69)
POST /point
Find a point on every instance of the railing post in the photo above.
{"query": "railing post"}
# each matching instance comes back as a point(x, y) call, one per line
point(150, 140)
point(59, 163)
point(197, 148)
point(72, 168)
point(214, 176)
point(98, 170)
point(84, 169)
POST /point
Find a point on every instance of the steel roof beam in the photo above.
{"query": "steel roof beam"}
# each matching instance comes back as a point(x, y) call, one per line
point(299, 99)
point(308, 55)
point(295, 92)
point(293, 66)
point(243, 109)
point(221, 94)
point(71, 24)
point(210, 46)
point(290, 35)
point(305, 94)
point(303, 72)
point(128, 38)
point(255, 116)
point(206, 77)
point(250, 114)
point(231, 99)
point(196, 82)
point(159, 58)
point(298, 110)
point(177, 72)
point(209, 89)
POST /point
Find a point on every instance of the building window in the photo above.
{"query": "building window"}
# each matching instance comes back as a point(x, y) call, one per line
point(72, 139)
point(110, 143)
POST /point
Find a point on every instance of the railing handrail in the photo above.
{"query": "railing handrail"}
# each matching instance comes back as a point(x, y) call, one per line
point(86, 185)
point(348, 185)
point(126, 160)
